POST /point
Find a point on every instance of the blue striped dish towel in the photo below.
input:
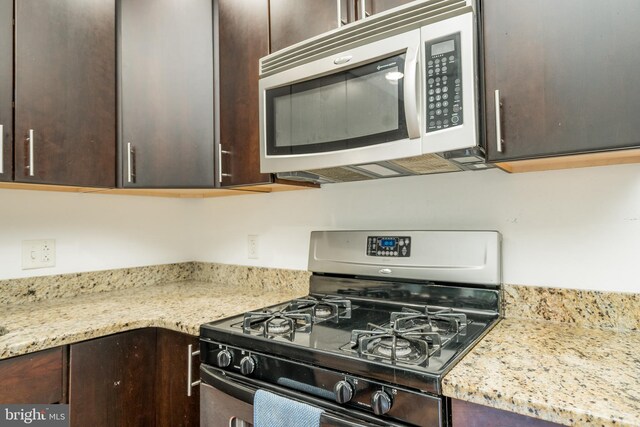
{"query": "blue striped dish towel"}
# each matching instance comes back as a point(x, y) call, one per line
point(271, 410)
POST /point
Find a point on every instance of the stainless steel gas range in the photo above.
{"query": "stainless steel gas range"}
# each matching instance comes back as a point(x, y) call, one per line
point(388, 315)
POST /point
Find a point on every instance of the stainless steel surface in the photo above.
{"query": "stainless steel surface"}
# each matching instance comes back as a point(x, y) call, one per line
point(403, 29)
point(377, 27)
point(1, 148)
point(363, 9)
point(498, 106)
point(451, 256)
point(129, 165)
point(190, 355)
point(31, 148)
point(405, 42)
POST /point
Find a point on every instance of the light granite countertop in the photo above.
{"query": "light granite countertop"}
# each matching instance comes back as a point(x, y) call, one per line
point(180, 306)
point(558, 372)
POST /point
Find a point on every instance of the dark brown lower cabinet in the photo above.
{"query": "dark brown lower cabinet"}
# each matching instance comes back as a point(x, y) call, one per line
point(34, 378)
point(111, 380)
point(173, 406)
point(135, 378)
point(466, 414)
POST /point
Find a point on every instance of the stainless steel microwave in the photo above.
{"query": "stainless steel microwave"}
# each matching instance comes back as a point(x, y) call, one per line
point(394, 94)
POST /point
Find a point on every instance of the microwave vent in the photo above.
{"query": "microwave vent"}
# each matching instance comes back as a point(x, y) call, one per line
point(340, 174)
point(425, 164)
point(377, 27)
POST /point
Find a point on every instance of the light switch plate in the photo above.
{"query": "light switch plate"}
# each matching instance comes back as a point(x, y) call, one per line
point(38, 254)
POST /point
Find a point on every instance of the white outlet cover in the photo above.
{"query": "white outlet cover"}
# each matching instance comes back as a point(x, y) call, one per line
point(38, 254)
point(252, 246)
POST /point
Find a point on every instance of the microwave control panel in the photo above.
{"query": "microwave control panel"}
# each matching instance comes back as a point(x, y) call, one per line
point(389, 246)
point(444, 83)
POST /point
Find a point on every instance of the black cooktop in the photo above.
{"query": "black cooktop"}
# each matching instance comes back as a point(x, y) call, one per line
point(403, 343)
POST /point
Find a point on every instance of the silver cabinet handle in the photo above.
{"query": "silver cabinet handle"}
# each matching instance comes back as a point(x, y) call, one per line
point(129, 163)
point(31, 171)
point(1, 148)
point(363, 12)
point(220, 153)
point(341, 21)
point(499, 140)
point(190, 382)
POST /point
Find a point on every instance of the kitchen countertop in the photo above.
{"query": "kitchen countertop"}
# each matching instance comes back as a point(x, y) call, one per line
point(180, 306)
point(558, 372)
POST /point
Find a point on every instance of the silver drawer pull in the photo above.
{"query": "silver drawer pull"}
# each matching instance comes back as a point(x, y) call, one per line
point(1, 148)
point(220, 153)
point(499, 140)
point(190, 382)
point(129, 163)
point(31, 167)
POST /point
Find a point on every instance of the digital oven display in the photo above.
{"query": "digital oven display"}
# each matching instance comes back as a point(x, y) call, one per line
point(389, 246)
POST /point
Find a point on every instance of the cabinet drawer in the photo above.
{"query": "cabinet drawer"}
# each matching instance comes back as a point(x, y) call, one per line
point(33, 378)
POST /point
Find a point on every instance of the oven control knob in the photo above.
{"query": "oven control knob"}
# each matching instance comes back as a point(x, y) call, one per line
point(343, 391)
point(247, 365)
point(224, 358)
point(380, 402)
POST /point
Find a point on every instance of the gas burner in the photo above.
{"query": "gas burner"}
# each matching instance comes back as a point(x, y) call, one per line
point(269, 323)
point(330, 307)
point(384, 347)
point(439, 320)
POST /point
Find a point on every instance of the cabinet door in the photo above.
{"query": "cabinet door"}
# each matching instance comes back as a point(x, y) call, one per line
point(465, 414)
point(6, 90)
point(65, 123)
point(173, 406)
point(243, 34)
point(111, 380)
point(34, 378)
point(566, 74)
point(166, 93)
point(295, 20)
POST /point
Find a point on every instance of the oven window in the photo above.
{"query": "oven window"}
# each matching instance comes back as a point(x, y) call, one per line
point(354, 108)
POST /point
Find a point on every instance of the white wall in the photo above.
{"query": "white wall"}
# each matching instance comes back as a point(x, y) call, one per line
point(573, 229)
point(94, 232)
point(576, 228)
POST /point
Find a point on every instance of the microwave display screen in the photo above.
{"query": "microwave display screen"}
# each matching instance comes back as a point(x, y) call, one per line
point(444, 47)
point(352, 108)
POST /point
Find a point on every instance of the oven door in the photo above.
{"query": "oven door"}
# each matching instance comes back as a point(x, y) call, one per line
point(226, 400)
point(358, 106)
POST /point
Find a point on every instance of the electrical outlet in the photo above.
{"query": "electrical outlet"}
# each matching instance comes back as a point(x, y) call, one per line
point(252, 246)
point(38, 254)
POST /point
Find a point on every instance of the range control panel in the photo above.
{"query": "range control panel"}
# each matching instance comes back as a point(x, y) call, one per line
point(444, 83)
point(389, 246)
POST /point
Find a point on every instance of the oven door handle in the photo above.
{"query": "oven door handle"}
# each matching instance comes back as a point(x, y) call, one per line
point(245, 393)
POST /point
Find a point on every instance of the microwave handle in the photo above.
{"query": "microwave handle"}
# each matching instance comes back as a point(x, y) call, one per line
point(411, 92)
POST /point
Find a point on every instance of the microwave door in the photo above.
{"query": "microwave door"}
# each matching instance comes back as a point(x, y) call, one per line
point(450, 102)
point(355, 107)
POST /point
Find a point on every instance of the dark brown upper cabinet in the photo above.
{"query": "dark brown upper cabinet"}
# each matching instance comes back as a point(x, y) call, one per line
point(6, 90)
point(243, 34)
point(65, 97)
point(166, 94)
point(566, 75)
point(293, 21)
